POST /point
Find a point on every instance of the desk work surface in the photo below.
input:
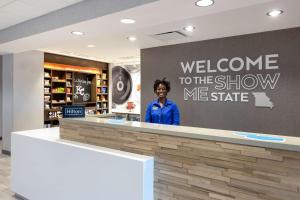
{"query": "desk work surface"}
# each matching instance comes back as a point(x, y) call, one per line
point(235, 137)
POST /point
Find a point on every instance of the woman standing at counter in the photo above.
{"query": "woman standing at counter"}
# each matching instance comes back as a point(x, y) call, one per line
point(162, 110)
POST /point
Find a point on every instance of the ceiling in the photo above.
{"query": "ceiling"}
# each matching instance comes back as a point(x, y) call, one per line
point(225, 18)
point(16, 11)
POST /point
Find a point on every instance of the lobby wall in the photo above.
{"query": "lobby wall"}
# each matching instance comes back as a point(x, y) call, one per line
point(269, 83)
point(22, 89)
point(1, 97)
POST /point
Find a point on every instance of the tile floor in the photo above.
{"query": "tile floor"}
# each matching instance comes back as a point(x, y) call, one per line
point(5, 193)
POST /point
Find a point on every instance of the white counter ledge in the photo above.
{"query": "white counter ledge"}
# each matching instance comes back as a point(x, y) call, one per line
point(235, 137)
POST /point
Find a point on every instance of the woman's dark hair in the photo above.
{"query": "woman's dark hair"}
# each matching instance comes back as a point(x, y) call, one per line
point(164, 82)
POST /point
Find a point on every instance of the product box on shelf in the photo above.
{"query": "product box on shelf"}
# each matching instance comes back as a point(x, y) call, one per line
point(46, 74)
point(46, 82)
point(46, 90)
point(104, 89)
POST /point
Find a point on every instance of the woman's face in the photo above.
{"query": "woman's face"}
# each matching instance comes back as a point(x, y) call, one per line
point(161, 91)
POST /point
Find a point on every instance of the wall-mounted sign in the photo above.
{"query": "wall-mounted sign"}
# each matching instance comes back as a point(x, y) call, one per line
point(247, 82)
point(126, 90)
point(231, 79)
point(73, 111)
point(82, 87)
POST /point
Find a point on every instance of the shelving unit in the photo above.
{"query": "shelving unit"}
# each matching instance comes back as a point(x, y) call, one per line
point(63, 72)
point(59, 90)
point(102, 92)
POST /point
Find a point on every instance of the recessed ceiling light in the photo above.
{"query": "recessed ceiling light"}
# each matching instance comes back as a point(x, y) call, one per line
point(127, 21)
point(204, 3)
point(131, 38)
point(189, 28)
point(77, 33)
point(274, 13)
point(90, 46)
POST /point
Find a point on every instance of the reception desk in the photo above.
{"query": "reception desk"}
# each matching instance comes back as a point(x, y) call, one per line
point(195, 163)
point(45, 167)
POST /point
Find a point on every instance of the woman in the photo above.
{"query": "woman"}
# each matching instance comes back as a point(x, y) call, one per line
point(162, 110)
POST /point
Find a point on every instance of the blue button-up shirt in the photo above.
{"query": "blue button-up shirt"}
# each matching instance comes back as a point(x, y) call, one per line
point(168, 114)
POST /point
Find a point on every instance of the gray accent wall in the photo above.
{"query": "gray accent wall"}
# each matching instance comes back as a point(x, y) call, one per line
point(276, 113)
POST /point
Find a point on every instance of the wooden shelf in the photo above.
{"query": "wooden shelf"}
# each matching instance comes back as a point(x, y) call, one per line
point(52, 119)
point(58, 93)
point(102, 93)
point(58, 81)
point(52, 109)
point(58, 103)
point(46, 77)
point(92, 102)
point(47, 85)
point(47, 93)
point(69, 86)
point(69, 93)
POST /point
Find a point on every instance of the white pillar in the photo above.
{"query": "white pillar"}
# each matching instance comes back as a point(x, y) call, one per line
point(22, 93)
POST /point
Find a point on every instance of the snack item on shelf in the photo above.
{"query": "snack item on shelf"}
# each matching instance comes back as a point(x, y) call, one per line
point(69, 90)
point(46, 74)
point(69, 75)
point(46, 82)
point(104, 76)
point(46, 90)
point(47, 98)
point(69, 84)
point(47, 106)
point(58, 89)
point(104, 89)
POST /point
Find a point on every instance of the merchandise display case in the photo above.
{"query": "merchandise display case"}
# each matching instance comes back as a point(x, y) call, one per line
point(73, 85)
